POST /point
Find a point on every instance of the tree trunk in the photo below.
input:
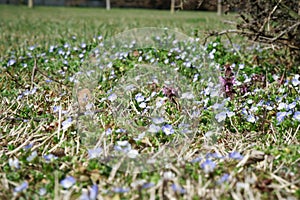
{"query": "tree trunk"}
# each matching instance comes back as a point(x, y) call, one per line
point(172, 7)
point(107, 4)
point(30, 3)
point(219, 7)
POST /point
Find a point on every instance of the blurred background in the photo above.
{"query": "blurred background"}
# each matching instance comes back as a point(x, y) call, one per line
point(208, 5)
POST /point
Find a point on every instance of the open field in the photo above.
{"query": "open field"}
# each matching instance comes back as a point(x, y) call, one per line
point(147, 114)
point(45, 26)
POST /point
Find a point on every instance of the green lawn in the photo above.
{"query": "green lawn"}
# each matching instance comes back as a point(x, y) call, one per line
point(21, 26)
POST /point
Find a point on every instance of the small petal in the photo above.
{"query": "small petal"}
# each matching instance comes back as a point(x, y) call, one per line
point(280, 116)
point(223, 179)
point(297, 116)
point(121, 190)
point(177, 188)
point(94, 153)
point(235, 155)
point(21, 187)
point(208, 166)
point(94, 192)
point(168, 129)
point(153, 128)
point(158, 120)
point(68, 182)
point(112, 97)
point(67, 123)
point(14, 163)
point(42, 191)
point(147, 185)
point(50, 157)
point(32, 156)
point(220, 116)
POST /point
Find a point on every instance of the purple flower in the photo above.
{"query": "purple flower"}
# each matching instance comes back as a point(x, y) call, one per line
point(120, 190)
point(198, 159)
point(297, 116)
point(28, 146)
point(68, 182)
point(11, 62)
point(220, 116)
point(213, 155)
point(158, 120)
point(50, 157)
point(235, 155)
point(42, 191)
point(32, 156)
point(208, 166)
point(112, 97)
point(67, 123)
point(251, 118)
point(94, 153)
point(177, 188)
point(94, 192)
point(168, 129)
point(21, 187)
point(223, 179)
point(147, 185)
point(153, 128)
point(280, 116)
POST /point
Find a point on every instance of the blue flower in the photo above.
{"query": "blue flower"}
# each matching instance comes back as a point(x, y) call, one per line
point(139, 97)
point(220, 116)
point(297, 116)
point(168, 129)
point(158, 120)
point(153, 128)
point(213, 155)
point(94, 153)
point(123, 146)
point(280, 116)
point(235, 155)
point(177, 188)
point(32, 156)
point(50, 157)
point(108, 131)
point(251, 119)
point(42, 191)
point(223, 179)
point(67, 123)
point(21, 187)
point(120, 190)
point(147, 185)
point(112, 97)
point(28, 146)
point(208, 166)
point(11, 62)
point(68, 182)
point(94, 192)
point(198, 159)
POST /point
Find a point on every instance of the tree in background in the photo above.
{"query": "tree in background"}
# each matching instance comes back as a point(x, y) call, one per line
point(30, 3)
point(107, 4)
point(275, 22)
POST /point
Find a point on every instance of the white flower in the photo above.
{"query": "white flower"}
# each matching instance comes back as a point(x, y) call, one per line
point(14, 163)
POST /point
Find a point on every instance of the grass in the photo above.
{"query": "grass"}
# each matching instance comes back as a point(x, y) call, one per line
point(39, 26)
point(68, 117)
